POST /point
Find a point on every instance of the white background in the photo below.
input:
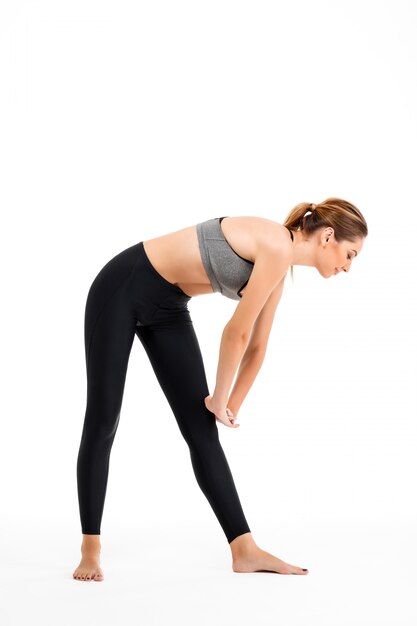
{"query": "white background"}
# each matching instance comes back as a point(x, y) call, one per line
point(122, 121)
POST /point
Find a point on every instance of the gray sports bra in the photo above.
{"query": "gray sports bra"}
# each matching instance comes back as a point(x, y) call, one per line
point(228, 272)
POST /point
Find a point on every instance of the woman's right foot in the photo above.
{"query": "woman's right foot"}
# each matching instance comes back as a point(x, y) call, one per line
point(248, 557)
point(89, 567)
point(260, 561)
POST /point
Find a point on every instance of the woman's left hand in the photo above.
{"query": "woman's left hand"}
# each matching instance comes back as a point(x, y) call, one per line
point(222, 413)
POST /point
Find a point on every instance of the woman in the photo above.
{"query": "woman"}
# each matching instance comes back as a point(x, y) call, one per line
point(145, 290)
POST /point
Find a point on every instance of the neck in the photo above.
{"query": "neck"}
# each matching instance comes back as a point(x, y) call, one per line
point(304, 251)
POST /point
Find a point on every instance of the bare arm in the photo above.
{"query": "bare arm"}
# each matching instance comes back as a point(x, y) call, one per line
point(232, 348)
point(262, 289)
point(255, 352)
point(248, 370)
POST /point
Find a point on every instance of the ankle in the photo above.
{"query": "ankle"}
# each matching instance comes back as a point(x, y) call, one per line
point(243, 546)
point(91, 543)
point(90, 551)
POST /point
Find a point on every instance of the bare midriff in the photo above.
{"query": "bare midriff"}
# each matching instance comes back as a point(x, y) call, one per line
point(176, 256)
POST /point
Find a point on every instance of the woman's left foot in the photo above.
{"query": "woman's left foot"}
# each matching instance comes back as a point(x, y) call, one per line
point(260, 561)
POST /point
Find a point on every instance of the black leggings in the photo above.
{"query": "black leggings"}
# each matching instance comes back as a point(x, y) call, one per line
point(129, 296)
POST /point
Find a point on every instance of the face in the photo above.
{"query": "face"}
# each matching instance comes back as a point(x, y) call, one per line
point(334, 257)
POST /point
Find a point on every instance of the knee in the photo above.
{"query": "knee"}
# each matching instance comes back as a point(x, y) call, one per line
point(202, 432)
point(100, 427)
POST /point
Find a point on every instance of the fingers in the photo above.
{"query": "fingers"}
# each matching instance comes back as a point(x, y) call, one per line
point(228, 420)
point(230, 424)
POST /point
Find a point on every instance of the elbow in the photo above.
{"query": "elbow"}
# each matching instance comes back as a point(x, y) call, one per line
point(258, 350)
point(236, 335)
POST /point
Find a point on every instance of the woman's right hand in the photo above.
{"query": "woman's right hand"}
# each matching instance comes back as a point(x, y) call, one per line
point(222, 413)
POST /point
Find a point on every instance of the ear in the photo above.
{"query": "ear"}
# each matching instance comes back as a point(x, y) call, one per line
point(327, 234)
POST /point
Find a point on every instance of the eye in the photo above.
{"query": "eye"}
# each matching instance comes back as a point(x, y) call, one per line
point(349, 257)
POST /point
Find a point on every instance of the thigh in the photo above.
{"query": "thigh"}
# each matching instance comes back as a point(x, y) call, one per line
point(107, 359)
point(104, 295)
point(174, 352)
point(109, 330)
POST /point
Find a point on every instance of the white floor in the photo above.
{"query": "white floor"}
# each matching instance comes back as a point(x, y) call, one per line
point(166, 576)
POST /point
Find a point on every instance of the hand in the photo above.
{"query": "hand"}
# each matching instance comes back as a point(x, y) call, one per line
point(223, 414)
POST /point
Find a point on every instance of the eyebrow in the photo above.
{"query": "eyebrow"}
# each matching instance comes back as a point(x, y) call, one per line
point(354, 251)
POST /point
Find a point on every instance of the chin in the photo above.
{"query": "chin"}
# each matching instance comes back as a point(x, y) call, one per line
point(324, 275)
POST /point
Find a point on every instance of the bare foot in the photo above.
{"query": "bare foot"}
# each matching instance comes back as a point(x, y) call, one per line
point(260, 561)
point(89, 567)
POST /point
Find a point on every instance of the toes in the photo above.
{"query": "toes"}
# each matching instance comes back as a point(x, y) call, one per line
point(79, 574)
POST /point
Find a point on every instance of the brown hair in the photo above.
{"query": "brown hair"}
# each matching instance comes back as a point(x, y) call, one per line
point(345, 218)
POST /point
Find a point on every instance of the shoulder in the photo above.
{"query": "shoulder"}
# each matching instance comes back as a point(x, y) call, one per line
point(265, 235)
point(270, 237)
